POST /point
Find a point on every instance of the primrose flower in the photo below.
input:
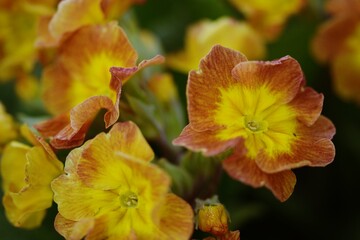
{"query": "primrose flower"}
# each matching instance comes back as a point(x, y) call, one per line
point(337, 42)
point(7, 127)
point(71, 15)
point(26, 175)
point(268, 17)
point(226, 31)
point(80, 82)
point(264, 110)
point(111, 191)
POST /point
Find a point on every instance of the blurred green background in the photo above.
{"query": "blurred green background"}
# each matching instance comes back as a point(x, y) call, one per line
point(325, 203)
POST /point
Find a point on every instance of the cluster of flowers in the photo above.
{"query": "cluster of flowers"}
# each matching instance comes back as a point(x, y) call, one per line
point(258, 117)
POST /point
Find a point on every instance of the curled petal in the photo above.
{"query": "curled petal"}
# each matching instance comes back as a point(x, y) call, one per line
point(244, 169)
point(71, 229)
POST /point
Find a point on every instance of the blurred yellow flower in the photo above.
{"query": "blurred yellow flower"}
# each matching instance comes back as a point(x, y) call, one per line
point(337, 42)
point(26, 175)
point(19, 21)
point(163, 87)
point(7, 127)
point(268, 16)
point(111, 191)
point(226, 31)
point(213, 218)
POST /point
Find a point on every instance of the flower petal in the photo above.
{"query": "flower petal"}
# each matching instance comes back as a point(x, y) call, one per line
point(176, 218)
point(312, 147)
point(203, 85)
point(205, 141)
point(71, 229)
point(308, 105)
point(282, 77)
point(246, 170)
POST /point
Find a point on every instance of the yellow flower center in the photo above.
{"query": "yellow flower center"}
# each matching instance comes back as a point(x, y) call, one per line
point(129, 199)
point(256, 116)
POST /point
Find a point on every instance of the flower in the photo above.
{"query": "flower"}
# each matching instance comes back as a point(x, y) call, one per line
point(336, 42)
point(264, 110)
point(268, 16)
point(226, 31)
point(213, 218)
point(111, 191)
point(162, 85)
point(7, 127)
point(27, 192)
point(80, 82)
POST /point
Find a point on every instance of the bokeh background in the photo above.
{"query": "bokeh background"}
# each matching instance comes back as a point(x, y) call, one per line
point(325, 203)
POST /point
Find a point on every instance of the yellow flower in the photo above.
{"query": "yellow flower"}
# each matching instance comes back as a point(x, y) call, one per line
point(26, 175)
point(268, 16)
point(163, 87)
point(205, 34)
point(7, 127)
point(337, 42)
point(111, 191)
point(80, 82)
point(264, 111)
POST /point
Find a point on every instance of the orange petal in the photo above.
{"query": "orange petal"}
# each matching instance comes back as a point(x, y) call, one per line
point(205, 141)
point(283, 77)
point(312, 147)
point(176, 218)
point(246, 170)
point(308, 104)
point(203, 85)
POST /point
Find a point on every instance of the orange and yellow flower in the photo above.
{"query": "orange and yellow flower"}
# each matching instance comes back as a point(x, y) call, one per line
point(80, 82)
point(337, 42)
point(111, 191)
point(226, 31)
point(27, 191)
point(266, 16)
point(264, 110)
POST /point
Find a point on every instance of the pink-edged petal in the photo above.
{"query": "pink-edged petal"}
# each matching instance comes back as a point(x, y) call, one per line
point(311, 147)
point(283, 77)
point(308, 105)
point(203, 85)
point(241, 168)
point(205, 141)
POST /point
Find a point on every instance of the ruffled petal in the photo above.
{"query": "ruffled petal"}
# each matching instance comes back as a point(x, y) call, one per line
point(282, 77)
point(244, 169)
point(203, 85)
